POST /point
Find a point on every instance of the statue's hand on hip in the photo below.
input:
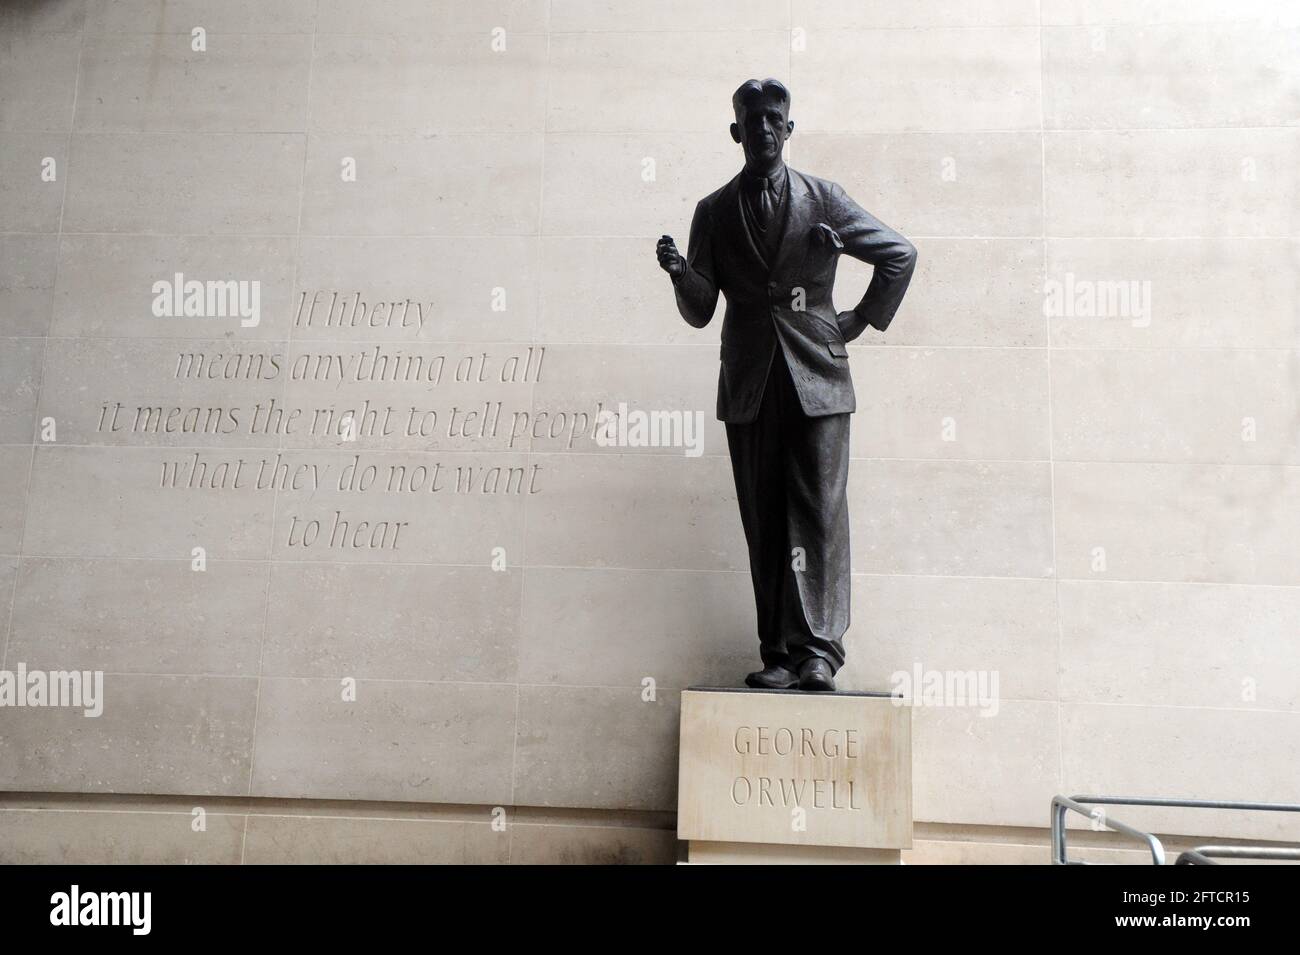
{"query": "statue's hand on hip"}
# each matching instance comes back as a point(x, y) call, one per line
point(670, 260)
point(847, 322)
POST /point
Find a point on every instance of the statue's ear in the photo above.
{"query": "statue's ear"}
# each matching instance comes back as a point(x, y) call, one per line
point(735, 133)
point(789, 128)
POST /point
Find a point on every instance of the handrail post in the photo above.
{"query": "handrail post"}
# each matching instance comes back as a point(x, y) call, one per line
point(1061, 804)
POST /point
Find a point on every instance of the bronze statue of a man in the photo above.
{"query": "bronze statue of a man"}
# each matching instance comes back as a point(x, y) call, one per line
point(769, 241)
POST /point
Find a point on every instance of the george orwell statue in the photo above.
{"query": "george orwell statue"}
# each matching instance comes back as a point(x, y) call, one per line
point(768, 241)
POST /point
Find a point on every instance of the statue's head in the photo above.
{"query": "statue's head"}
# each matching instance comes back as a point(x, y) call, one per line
point(762, 120)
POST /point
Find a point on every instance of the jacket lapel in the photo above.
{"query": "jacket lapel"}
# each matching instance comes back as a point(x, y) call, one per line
point(733, 223)
point(798, 222)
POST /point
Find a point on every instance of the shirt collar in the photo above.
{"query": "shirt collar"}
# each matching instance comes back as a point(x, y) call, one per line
point(778, 178)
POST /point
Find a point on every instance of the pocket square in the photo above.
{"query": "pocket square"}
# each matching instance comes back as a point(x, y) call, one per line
point(822, 234)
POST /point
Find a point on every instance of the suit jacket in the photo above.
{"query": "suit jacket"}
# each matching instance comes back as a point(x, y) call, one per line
point(787, 303)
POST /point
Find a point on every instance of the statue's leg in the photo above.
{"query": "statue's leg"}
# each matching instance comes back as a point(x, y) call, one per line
point(757, 456)
point(816, 601)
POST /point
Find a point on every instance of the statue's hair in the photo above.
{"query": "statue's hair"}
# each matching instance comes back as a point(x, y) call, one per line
point(752, 90)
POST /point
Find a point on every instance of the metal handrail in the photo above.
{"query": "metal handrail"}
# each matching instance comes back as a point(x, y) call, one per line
point(1063, 804)
point(1205, 855)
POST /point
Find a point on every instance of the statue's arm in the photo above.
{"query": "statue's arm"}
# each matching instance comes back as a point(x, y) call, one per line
point(696, 288)
point(894, 258)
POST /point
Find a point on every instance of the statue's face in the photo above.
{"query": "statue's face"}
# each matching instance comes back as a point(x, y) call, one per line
point(763, 129)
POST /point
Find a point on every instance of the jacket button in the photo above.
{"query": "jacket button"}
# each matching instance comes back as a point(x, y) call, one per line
point(771, 285)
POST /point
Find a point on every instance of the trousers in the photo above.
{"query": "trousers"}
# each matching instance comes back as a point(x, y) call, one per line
point(791, 474)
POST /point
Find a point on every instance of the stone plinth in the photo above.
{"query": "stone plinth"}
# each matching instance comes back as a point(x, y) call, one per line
point(770, 776)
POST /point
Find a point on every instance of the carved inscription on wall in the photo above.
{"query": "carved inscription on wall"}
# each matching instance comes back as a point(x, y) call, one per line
point(357, 413)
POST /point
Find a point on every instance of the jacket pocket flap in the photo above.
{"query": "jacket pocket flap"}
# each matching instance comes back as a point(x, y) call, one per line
point(838, 349)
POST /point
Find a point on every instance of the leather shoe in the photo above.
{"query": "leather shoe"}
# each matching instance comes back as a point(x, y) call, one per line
point(815, 675)
point(773, 678)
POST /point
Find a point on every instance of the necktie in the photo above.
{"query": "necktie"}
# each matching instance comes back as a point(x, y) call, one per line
point(766, 202)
